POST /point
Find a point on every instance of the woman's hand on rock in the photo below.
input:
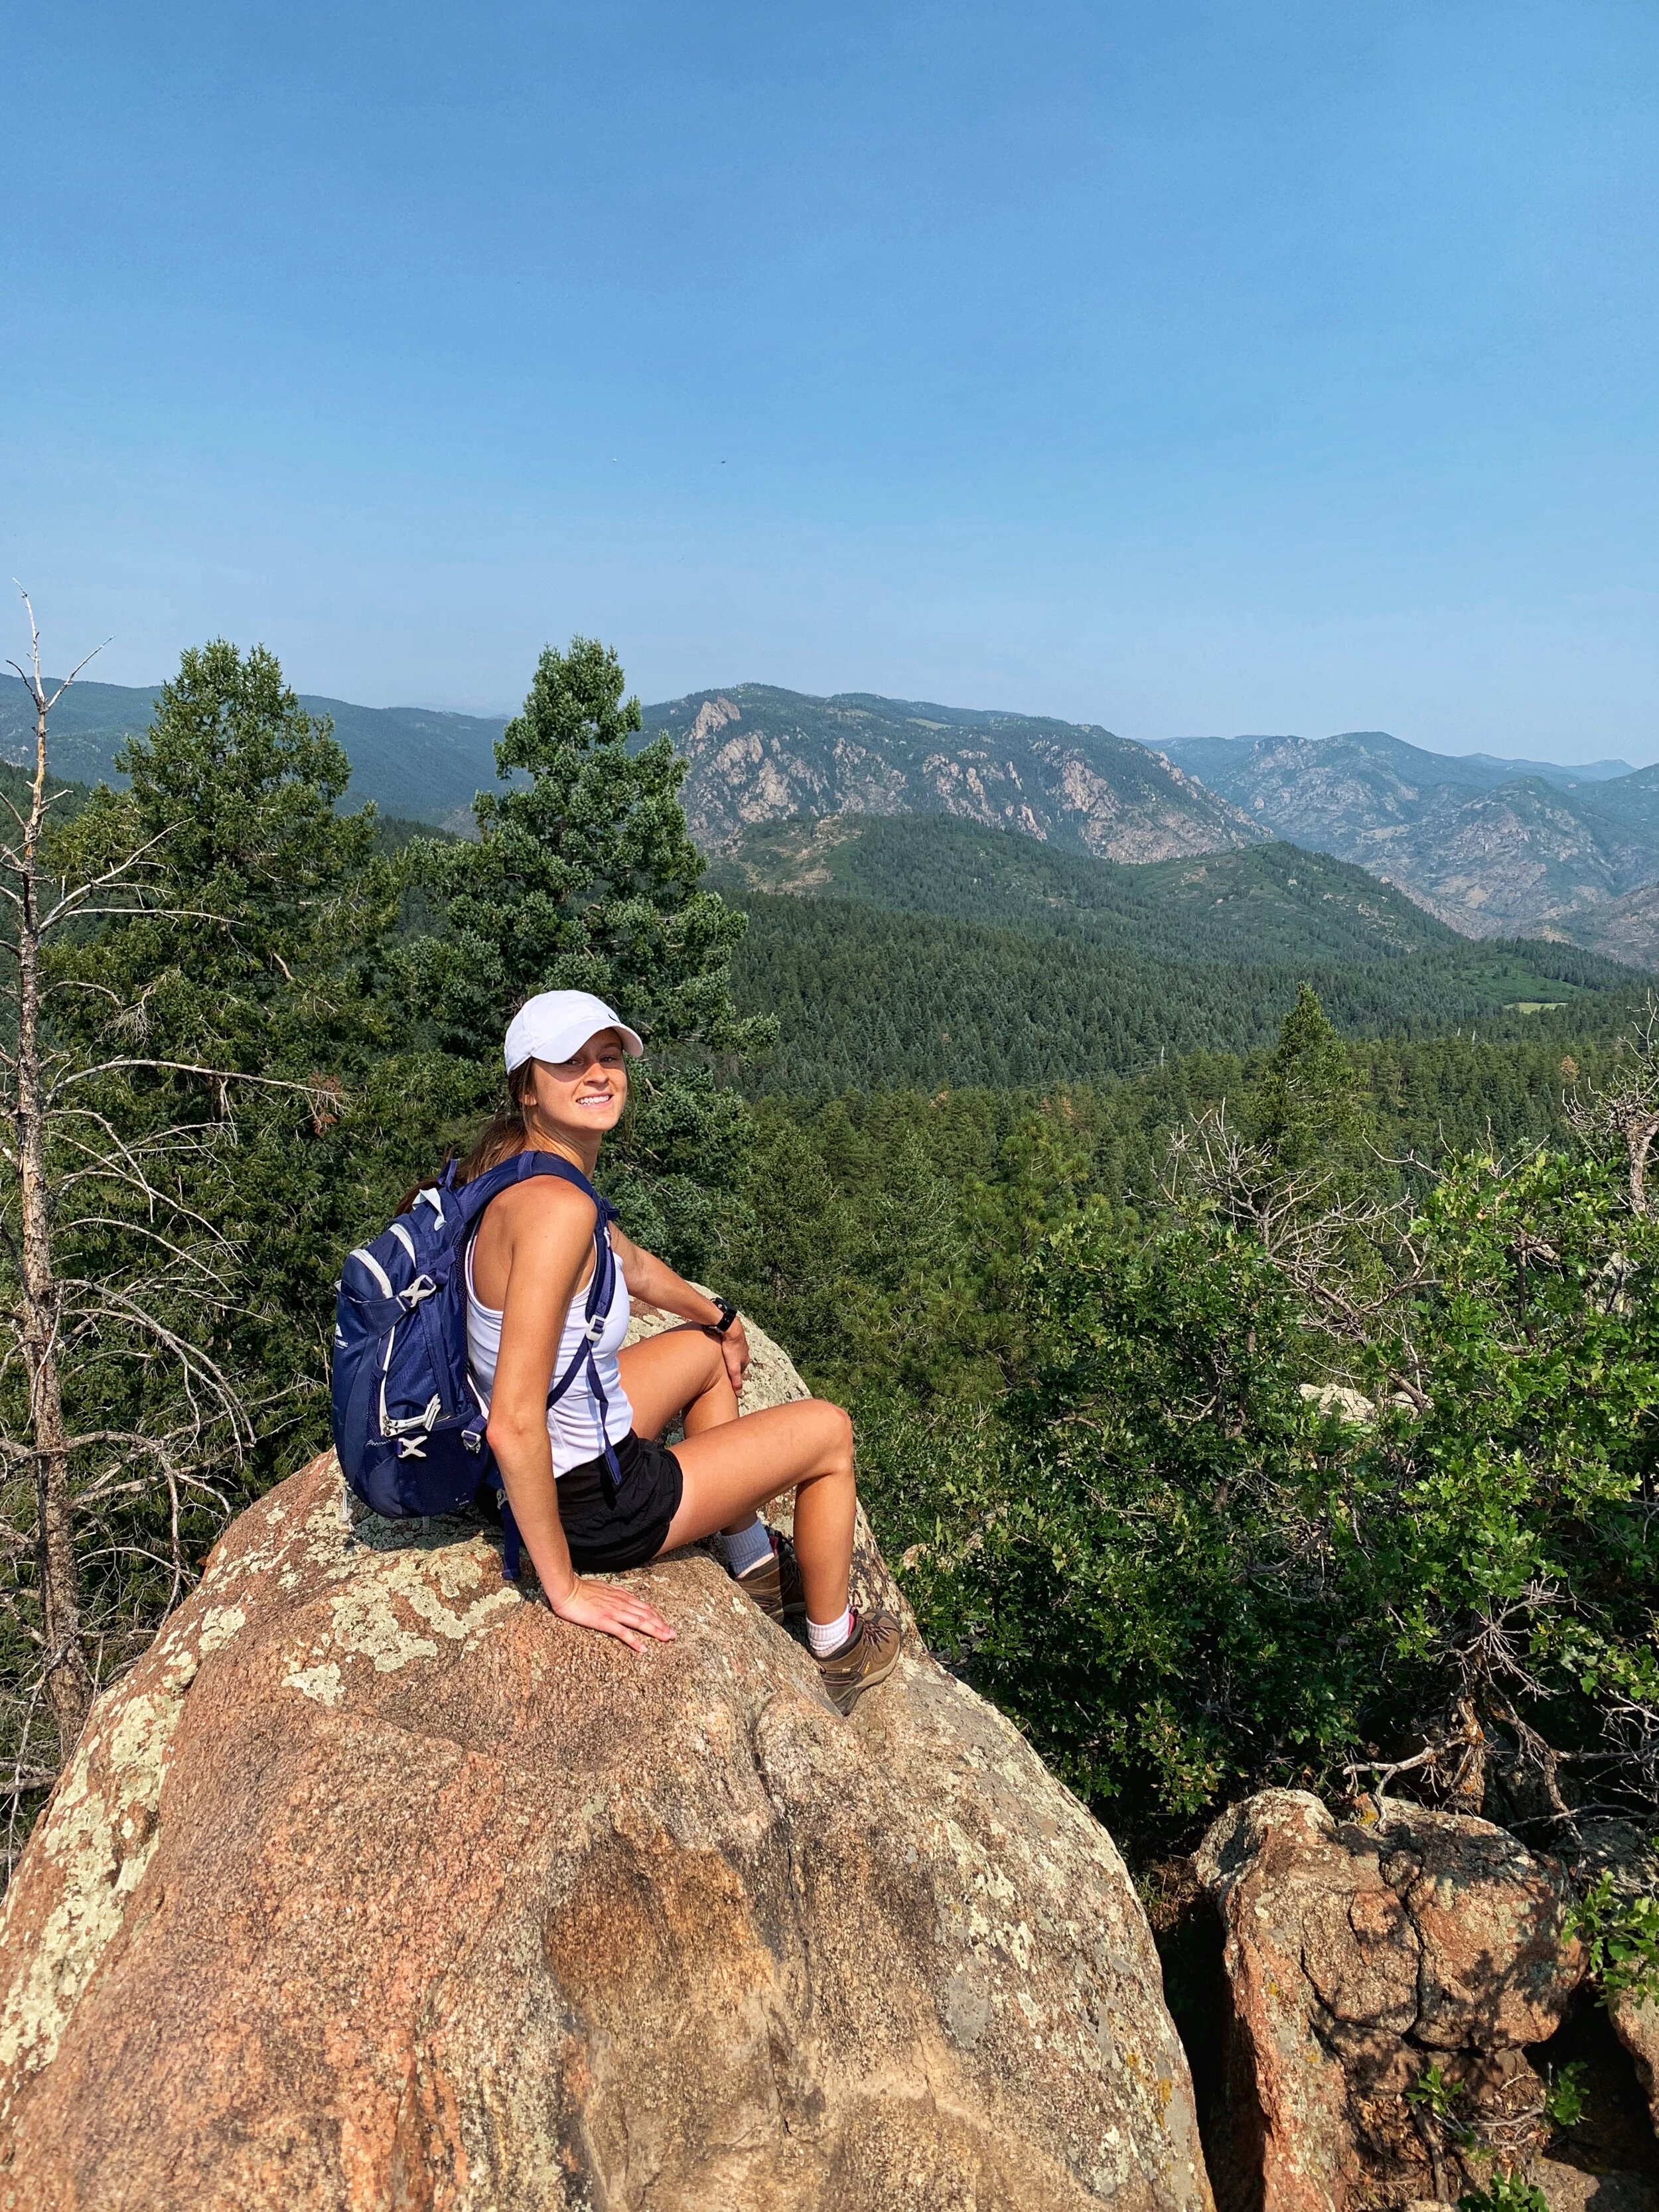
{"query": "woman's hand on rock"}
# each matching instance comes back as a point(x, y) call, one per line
point(613, 1611)
point(735, 1345)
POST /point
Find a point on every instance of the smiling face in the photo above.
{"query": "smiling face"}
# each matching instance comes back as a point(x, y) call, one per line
point(581, 1098)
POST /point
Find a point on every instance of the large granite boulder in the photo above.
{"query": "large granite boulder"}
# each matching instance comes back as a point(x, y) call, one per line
point(375, 1884)
point(1358, 1956)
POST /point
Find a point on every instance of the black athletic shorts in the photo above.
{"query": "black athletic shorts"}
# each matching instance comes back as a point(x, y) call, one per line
point(604, 1537)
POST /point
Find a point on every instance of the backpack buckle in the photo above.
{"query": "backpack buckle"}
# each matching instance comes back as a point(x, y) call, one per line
point(423, 1421)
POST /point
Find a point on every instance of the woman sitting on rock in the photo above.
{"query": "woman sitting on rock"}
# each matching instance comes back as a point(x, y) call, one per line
point(583, 1509)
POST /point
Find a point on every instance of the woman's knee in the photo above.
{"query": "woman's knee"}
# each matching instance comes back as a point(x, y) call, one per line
point(702, 1367)
point(835, 1425)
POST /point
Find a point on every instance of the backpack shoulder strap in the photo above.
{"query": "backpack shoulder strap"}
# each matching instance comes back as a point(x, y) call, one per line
point(601, 1284)
point(476, 1195)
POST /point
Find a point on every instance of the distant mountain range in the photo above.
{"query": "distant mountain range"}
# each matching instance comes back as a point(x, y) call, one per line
point(1491, 846)
point(1216, 759)
point(411, 760)
point(756, 754)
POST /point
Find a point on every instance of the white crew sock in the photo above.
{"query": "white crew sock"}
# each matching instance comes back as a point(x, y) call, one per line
point(826, 1641)
point(747, 1548)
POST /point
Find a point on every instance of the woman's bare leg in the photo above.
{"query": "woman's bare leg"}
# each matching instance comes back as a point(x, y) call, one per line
point(684, 1371)
point(732, 1468)
point(679, 1371)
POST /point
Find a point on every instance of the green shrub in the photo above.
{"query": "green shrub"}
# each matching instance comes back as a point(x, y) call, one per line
point(1185, 1579)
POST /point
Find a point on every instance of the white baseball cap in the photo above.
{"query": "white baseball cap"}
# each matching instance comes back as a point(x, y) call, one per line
point(554, 1023)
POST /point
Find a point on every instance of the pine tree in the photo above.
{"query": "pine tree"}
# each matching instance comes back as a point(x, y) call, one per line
point(262, 903)
point(259, 947)
point(583, 877)
point(1305, 1109)
point(176, 959)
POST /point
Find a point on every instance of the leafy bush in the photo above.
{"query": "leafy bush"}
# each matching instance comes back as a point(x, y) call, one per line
point(1187, 1568)
point(1620, 1930)
point(1505, 2193)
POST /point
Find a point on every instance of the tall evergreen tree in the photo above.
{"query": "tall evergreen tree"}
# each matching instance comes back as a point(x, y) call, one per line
point(1306, 1109)
point(583, 877)
point(254, 943)
point(182, 970)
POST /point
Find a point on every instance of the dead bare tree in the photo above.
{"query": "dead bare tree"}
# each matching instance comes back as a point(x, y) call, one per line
point(1627, 1109)
point(114, 1418)
point(65, 1673)
point(1325, 1239)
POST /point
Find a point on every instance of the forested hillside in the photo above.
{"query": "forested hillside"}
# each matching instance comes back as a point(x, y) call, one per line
point(873, 1206)
point(921, 950)
point(1265, 902)
point(1088, 1336)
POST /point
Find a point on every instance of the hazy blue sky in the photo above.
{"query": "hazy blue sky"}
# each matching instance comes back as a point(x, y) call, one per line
point(1182, 367)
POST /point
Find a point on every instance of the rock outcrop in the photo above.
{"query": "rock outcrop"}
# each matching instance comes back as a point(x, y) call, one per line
point(375, 1884)
point(1358, 1956)
point(756, 754)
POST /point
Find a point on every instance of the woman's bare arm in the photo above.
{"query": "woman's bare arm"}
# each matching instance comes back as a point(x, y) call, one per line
point(654, 1283)
point(548, 1231)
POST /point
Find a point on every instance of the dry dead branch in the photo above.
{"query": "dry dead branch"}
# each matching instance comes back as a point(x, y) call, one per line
point(74, 1180)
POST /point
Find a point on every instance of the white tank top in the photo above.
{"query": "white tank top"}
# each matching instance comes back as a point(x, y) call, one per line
point(572, 1425)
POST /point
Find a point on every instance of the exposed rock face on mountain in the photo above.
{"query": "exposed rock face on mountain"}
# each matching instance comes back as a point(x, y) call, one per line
point(761, 755)
point(1491, 851)
point(1357, 1957)
point(375, 1884)
point(1214, 759)
point(1625, 929)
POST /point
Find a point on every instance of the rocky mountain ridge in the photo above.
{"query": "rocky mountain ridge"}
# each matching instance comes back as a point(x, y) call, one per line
point(758, 754)
point(1490, 851)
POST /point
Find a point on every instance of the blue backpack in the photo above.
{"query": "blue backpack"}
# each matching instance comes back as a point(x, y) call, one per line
point(408, 1426)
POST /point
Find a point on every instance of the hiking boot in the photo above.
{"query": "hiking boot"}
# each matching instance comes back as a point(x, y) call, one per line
point(868, 1657)
point(776, 1583)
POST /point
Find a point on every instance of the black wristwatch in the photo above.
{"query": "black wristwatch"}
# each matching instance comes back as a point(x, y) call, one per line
point(728, 1315)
